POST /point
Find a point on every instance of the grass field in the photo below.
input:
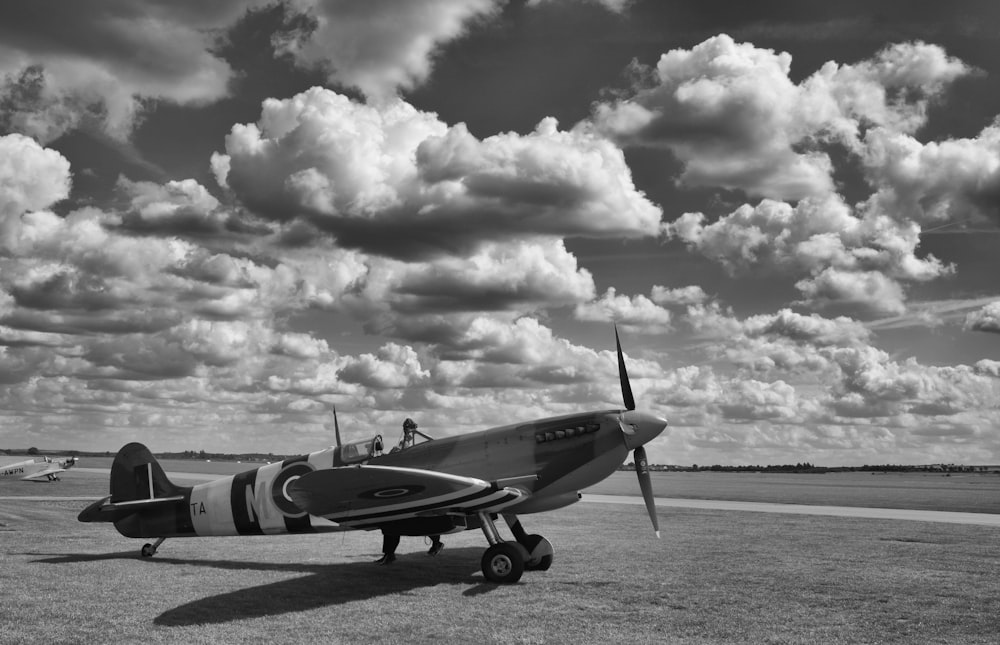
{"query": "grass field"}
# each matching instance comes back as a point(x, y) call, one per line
point(715, 577)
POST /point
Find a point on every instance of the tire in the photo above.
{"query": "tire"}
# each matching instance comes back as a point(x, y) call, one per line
point(147, 550)
point(503, 563)
point(540, 553)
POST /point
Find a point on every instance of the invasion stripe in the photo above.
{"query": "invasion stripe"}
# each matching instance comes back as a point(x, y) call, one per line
point(415, 507)
point(301, 523)
point(240, 497)
point(496, 501)
point(502, 503)
point(431, 502)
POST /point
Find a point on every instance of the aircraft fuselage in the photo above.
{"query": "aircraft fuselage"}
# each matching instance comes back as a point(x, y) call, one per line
point(552, 459)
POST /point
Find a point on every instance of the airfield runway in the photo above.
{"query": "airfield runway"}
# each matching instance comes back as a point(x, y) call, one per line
point(980, 519)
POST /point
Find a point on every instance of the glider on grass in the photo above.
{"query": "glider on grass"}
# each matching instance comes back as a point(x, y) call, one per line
point(33, 470)
point(425, 487)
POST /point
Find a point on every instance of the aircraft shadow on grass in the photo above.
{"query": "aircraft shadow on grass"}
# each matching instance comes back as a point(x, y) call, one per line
point(325, 585)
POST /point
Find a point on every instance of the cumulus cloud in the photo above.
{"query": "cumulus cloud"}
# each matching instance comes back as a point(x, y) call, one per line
point(702, 396)
point(102, 65)
point(755, 400)
point(988, 367)
point(821, 377)
point(381, 46)
point(636, 313)
point(129, 272)
point(872, 384)
point(514, 275)
point(393, 366)
point(177, 207)
point(868, 293)
point(985, 319)
point(854, 260)
point(785, 341)
point(79, 273)
point(523, 353)
point(99, 62)
point(680, 296)
point(320, 149)
point(31, 177)
point(222, 342)
point(731, 114)
point(396, 181)
point(812, 328)
point(935, 183)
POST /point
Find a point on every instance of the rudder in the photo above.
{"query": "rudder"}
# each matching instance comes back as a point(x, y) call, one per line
point(135, 474)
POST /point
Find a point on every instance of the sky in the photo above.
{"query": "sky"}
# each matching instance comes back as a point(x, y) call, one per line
point(220, 220)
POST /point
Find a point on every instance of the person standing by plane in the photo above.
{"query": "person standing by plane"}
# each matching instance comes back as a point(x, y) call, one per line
point(390, 541)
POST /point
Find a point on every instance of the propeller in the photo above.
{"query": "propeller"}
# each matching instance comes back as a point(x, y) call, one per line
point(628, 431)
point(623, 375)
point(642, 472)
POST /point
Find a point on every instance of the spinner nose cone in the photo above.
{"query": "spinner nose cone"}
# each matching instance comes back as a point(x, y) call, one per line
point(639, 428)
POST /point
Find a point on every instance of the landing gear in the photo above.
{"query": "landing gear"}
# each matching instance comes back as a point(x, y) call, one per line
point(505, 562)
point(540, 551)
point(149, 550)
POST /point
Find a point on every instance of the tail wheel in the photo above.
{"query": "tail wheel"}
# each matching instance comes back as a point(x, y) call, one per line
point(540, 553)
point(149, 550)
point(504, 562)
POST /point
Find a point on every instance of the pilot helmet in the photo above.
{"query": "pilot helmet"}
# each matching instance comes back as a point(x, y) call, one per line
point(409, 424)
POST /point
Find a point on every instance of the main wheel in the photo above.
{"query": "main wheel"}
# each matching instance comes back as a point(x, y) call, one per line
point(540, 553)
point(504, 562)
point(148, 550)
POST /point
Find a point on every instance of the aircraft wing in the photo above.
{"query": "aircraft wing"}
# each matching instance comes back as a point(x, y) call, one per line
point(360, 496)
point(44, 474)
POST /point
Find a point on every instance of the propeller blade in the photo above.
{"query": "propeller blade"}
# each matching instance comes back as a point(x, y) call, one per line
point(642, 472)
point(623, 375)
point(336, 427)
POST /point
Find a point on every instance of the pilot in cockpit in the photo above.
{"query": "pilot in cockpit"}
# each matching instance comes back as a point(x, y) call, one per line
point(409, 434)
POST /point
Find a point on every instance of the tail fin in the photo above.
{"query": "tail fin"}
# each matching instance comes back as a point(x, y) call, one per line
point(143, 502)
point(136, 475)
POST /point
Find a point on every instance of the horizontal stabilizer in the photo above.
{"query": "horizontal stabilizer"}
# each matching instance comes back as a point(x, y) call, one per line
point(139, 504)
point(105, 510)
point(362, 496)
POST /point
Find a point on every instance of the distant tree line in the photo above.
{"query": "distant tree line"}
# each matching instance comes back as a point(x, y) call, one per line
point(184, 454)
point(221, 456)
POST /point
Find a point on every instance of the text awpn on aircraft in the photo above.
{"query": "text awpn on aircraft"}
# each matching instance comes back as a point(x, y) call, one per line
point(44, 469)
point(428, 488)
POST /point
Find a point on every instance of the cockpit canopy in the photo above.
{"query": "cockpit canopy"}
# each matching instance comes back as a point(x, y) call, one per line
point(352, 453)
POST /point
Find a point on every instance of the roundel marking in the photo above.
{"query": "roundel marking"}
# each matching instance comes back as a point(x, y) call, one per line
point(392, 492)
point(279, 487)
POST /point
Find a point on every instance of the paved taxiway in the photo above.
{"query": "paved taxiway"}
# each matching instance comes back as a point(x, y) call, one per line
point(981, 519)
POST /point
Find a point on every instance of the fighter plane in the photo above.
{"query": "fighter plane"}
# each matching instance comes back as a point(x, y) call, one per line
point(424, 486)
point(45, 470)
